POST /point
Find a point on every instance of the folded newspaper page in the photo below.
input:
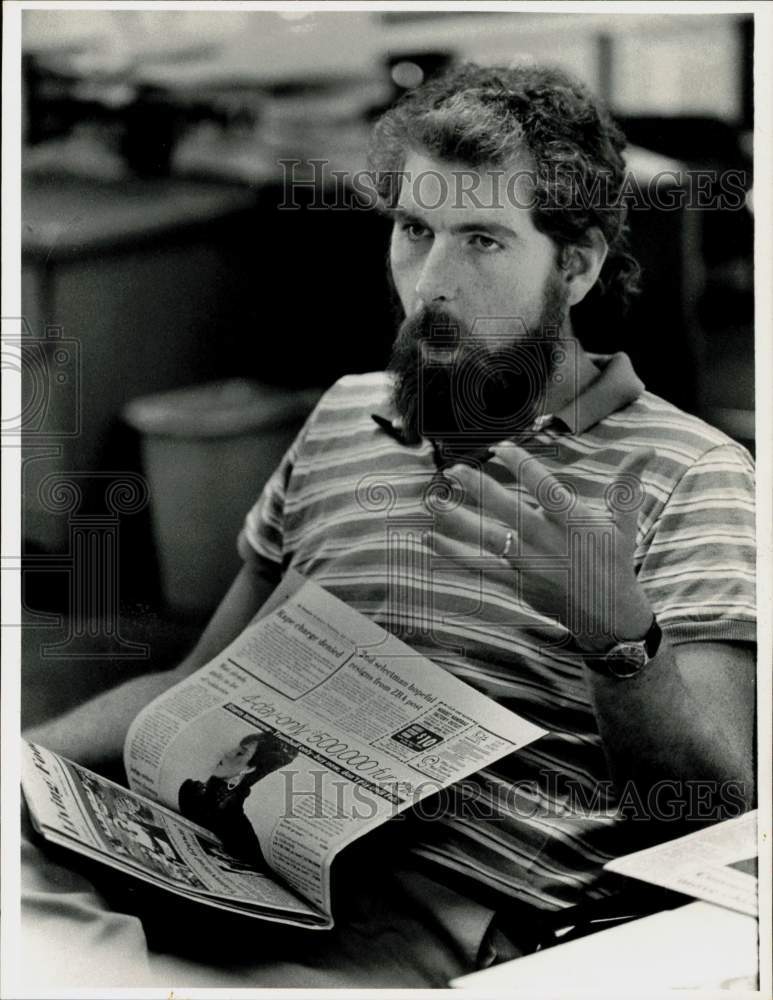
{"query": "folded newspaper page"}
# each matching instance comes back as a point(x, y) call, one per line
point(707, 864)
point(311, 729)
point(75, 808)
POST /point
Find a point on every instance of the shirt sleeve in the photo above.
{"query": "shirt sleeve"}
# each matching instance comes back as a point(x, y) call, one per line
point(699, 565)
point(262, 536)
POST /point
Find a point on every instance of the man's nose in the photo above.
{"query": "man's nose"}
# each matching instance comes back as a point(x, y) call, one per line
point(438, 280)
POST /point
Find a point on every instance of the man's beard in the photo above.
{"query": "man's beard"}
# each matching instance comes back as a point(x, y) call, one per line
point(463, 392)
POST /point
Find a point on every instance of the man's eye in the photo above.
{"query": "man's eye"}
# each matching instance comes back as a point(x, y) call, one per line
point(485, 243)
point(414, 231)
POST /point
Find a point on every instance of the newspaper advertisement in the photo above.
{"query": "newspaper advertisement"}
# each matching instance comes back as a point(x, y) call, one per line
point(313, 727)
point(708, 864)
point(73, 807)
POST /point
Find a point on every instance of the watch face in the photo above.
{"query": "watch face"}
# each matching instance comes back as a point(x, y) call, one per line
point(627, 659)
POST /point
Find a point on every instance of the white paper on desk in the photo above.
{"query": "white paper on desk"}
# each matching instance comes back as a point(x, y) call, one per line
point(696, 864)
point(697, 946)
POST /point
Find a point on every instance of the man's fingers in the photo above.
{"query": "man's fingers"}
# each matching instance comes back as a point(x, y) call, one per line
point(546, 494)
point(467, 534)
point(482, 492)
point(553, 495)
point(526, 469)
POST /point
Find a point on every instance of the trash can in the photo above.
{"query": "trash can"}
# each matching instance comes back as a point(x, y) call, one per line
point(207, 451)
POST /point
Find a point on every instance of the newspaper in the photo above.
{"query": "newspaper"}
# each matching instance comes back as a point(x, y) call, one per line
point(75, 808)
point(311, 729)
point(706, 864)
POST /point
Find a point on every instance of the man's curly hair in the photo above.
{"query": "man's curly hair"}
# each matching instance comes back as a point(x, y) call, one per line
point(539, 117)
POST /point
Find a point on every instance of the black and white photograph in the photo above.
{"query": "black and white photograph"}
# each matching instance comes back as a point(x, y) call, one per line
point(218, 803)
point(458, 315)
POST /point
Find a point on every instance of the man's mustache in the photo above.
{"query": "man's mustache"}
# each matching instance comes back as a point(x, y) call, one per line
point(434, 326)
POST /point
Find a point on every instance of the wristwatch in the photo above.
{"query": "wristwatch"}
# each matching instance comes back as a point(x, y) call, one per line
point(627, 659)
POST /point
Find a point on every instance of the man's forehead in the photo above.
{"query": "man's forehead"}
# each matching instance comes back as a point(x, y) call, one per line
point(431, 185)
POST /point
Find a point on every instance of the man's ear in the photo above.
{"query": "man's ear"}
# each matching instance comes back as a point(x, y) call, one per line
point(583, 263)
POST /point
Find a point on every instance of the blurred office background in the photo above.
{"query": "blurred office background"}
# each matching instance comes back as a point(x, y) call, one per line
point(156, 259)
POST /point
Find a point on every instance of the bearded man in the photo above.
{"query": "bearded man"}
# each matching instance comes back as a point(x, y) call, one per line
point(524, 513)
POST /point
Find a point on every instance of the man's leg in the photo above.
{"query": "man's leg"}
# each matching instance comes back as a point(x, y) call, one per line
point(393, 930)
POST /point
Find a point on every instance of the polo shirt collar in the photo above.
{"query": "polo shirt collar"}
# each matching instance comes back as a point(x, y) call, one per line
point(616, 386)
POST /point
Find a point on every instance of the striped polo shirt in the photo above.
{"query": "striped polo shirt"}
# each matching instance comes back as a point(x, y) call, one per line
point(353, 508)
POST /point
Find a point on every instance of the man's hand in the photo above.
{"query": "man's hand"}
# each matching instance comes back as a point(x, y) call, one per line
point(569, 559)
point(687, 718)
